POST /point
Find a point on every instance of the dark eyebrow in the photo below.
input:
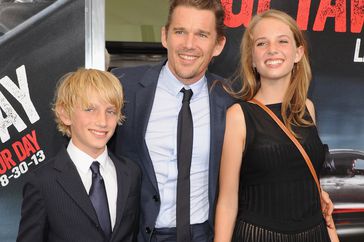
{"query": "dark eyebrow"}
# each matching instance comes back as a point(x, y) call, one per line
point(178, 28)
point(200, 31)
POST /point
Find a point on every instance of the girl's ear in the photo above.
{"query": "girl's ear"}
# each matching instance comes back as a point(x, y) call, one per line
point(299, 53)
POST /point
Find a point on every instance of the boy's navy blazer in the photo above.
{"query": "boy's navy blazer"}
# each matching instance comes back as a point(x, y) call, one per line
point(56, 206)
point(139, 85)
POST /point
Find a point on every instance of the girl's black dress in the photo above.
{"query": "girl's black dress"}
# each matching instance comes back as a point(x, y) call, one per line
point(278, 197)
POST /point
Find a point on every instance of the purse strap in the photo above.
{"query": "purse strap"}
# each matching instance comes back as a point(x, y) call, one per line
point(294, 140)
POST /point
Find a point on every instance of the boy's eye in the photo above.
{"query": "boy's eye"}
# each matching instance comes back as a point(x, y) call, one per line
point(179, 32)
point(112, 112)
point(283, 41)
point(89, 109)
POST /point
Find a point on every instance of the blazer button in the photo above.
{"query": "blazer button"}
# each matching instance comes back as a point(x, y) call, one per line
point(148, 230)
point(156, 198)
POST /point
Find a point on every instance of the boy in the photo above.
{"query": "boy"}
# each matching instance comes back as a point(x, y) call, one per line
point(84, 193)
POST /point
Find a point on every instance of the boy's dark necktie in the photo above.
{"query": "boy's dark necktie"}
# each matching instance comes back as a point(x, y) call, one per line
point(184, 155)
point(98, 198)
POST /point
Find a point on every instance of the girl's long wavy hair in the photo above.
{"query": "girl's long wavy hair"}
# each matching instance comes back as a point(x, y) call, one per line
point(294, 101)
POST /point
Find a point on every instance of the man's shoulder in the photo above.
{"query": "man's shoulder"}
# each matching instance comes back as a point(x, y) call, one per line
point(134, 69)
point(215, 76)
point(136, 72)
point(218, 87)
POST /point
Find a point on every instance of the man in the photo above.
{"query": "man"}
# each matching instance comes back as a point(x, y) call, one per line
point(192, 36)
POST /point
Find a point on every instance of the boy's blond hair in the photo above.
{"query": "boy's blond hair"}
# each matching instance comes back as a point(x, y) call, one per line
point(72, 90)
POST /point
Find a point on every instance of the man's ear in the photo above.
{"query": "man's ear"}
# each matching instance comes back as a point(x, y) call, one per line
point(164, 33)
point(219, 46)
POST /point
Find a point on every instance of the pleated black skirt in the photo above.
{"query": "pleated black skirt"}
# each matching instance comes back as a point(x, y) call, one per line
point(246, 232)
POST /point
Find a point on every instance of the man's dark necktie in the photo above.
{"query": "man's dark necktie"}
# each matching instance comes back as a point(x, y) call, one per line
point(184, 155)
point(98, 198)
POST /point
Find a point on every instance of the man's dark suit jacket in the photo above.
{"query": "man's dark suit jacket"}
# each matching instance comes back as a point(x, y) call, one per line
point(56, 206)
point(139, 88)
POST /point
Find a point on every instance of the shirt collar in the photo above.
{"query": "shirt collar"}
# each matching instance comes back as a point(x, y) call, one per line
point(172, 85)
point(82, 160)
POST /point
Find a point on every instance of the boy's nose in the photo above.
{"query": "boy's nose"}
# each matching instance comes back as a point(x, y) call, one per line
point(101, 119)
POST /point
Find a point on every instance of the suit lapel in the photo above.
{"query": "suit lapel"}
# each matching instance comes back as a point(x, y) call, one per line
point(218, 103)
point(144, 99)
point(123, 180)
point(71, 182)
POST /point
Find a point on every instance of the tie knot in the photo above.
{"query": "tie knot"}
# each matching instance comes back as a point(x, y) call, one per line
point(95, 167)
point(187, 94)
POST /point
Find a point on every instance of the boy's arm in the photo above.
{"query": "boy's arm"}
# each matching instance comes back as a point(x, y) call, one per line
point(33, 224)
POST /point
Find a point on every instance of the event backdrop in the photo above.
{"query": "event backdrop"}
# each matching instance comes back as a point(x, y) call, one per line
point(33, 56)
point(37, 52)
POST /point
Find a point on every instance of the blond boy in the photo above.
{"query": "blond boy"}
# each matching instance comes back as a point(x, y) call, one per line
point(84, 193)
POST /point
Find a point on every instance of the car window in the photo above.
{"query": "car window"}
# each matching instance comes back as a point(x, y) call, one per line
point(359, 166)
point(338, 167)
